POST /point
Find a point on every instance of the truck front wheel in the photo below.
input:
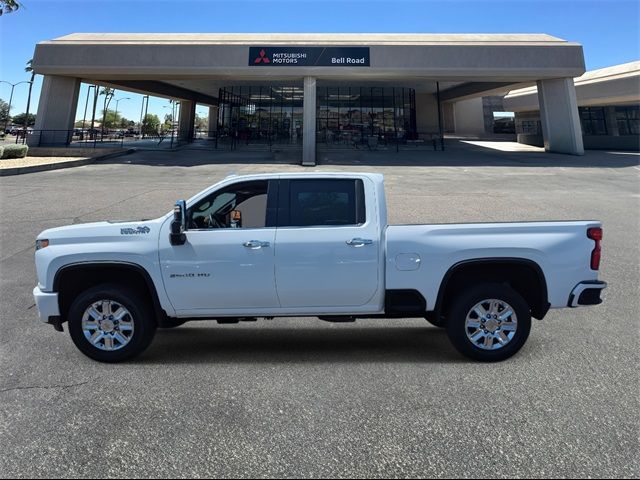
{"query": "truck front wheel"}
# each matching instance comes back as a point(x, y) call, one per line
point(489, 322)
point(111, 324)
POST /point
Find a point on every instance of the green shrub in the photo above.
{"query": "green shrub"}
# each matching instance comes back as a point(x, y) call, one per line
point(14, 151)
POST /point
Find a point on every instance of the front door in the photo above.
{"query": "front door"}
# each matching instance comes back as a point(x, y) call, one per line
point(227, 263)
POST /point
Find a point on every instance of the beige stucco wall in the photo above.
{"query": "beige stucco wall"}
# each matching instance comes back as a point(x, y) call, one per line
point(426, 113)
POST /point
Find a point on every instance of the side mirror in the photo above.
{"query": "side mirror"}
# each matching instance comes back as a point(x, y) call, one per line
point(179, 224)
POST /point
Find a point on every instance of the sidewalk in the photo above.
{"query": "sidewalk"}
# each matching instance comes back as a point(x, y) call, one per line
point(19, 166)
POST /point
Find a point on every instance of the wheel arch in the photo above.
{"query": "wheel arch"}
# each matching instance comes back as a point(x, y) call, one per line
point(523, 275)
point(74, 278)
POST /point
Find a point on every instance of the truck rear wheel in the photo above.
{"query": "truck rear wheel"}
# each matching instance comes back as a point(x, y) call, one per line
point(489, 322)
point(111, 324)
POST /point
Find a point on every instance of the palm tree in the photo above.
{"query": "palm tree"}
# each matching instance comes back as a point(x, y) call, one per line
point(29, 69)
point(108, 95)
point(8, 6)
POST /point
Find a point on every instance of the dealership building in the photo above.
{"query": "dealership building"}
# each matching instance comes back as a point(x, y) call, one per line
point(608, 107)
point(311, 89)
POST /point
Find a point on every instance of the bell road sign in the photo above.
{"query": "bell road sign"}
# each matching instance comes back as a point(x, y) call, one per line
point(309, 56)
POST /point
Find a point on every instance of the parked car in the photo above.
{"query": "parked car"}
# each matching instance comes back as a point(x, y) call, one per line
point(309, 245)
point(22, 132)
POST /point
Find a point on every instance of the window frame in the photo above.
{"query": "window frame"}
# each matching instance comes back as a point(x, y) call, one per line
point(270, 214)
point(283, 216)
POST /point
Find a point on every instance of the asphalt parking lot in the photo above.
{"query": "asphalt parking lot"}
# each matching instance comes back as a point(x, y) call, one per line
point(304, 398)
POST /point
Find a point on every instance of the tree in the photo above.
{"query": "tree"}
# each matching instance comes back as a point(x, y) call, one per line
point(21, 119)
point(29, 69)
point(110, 119)
point(108, 95)
point(202, 123)
point(168, 122)
point(150, 124)
point(8, 6)
point(4, 112)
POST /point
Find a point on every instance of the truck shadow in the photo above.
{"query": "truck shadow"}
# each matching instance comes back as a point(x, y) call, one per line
point(222, 344)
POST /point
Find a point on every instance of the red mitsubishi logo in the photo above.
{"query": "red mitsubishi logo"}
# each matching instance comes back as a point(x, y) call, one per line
point(262, 58)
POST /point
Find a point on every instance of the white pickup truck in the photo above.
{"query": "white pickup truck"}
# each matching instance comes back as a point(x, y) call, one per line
point(309, 245)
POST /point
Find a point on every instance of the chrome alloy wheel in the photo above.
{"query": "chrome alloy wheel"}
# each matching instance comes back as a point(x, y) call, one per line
point(107, 325)
point(491, 324)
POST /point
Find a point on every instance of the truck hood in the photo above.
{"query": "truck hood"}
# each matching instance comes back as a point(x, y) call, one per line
point(104, 232)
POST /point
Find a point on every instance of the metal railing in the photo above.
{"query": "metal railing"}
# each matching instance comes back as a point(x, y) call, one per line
point(388, 140)
point(230, 141)
point(77, 138)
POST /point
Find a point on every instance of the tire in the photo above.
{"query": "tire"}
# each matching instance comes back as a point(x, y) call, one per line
point(125, 330)
point(171, 323)
point(494, 338)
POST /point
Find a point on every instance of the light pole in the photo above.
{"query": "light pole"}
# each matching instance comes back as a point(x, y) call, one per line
point(145, 99)
point(13, 85)
point(86, 104)
point(116, 117)
point(124, 98)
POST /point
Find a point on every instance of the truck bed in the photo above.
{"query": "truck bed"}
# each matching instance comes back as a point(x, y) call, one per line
point(419, 256)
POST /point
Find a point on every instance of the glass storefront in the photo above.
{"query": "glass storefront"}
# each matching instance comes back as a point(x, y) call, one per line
point(257, 114)
point(348, 115)
point(592, 120)
point(628, 119)
point(344, 115)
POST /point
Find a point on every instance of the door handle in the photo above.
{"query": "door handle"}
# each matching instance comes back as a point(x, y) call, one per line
point(255, 244)
point(359, 242)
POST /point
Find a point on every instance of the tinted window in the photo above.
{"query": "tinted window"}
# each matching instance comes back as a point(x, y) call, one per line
point(241, 205)
point(325, 203)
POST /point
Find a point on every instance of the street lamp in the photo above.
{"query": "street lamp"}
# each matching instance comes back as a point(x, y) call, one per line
point(86, 104)
point(172, 105)
point(124, 98)
point(13, 85)
point(143, 114)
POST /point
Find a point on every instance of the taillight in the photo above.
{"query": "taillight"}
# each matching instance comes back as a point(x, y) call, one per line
point(595, 234)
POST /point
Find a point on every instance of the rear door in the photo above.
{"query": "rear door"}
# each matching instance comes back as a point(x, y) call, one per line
point(327, 244)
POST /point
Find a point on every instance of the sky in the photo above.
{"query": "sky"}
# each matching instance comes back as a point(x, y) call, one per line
point(607, 29)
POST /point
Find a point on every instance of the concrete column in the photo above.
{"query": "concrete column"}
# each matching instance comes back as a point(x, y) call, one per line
point(559, 116)
point(449, 117)
point(469, 117)
point(187, 120)
point(56, 111)
point(213, 121)
point(309, 122)
point(427, 113)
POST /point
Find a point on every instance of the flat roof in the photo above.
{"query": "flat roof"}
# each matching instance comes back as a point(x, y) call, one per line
point(310, 39)
point(184, 65)
point(601, 75)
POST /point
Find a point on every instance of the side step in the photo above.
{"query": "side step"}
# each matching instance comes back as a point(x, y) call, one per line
point(338, 319)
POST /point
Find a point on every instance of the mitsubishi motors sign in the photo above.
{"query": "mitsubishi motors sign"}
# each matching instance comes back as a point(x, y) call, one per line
point(309, 56)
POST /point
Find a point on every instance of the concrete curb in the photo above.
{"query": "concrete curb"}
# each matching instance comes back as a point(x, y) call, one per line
point(5, 172)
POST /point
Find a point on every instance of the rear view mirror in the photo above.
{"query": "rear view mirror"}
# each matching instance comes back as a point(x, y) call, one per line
point(179, 223)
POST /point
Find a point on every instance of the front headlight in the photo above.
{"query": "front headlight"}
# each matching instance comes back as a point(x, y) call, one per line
point(41, 244)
